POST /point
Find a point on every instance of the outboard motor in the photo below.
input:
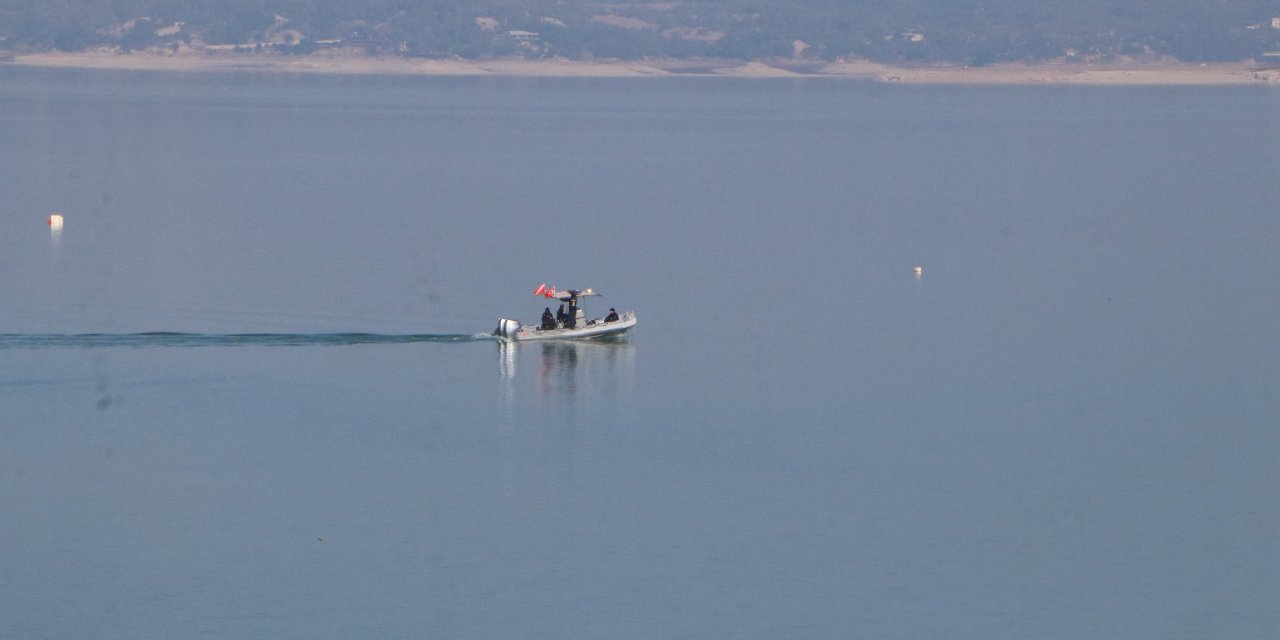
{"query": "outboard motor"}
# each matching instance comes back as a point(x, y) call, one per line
point(507, 328)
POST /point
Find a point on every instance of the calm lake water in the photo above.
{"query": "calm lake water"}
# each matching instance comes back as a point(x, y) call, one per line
point(1064, 427)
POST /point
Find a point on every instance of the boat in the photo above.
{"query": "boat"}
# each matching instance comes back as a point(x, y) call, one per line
point(576, 326)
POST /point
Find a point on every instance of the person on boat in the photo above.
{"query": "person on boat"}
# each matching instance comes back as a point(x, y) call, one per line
point(548, 322)
point(571, 318)
point(613, 315)
point(561, 316)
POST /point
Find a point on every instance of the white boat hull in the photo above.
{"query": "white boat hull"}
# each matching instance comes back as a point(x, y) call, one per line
point(512, 330)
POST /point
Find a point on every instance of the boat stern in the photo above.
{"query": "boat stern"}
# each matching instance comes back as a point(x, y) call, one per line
point(507, 328)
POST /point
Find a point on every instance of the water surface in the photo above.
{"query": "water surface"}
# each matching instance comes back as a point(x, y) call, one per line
point(246, 391)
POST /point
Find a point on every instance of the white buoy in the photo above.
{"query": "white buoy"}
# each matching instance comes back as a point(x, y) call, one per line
point(55, 222)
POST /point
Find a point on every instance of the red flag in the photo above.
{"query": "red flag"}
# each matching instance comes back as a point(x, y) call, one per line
point(542, 288)
point(551, 292)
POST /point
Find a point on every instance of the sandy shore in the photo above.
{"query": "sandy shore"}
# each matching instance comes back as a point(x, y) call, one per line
point(1159, 73)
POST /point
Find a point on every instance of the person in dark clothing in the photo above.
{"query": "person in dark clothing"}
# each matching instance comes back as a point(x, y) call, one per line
point(561, 316)
point(571, 318)
point(613, 315)
point(548, 322)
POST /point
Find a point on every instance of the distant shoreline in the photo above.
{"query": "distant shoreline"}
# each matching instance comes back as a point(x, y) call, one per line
point(1049, 73)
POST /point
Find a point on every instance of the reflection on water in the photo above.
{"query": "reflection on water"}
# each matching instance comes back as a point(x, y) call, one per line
point(55, 240)
point(573, 368)
point(506, 359)
point(567, 369)
point(507, 371)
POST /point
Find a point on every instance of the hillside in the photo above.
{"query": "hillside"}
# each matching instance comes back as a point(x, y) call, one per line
point(972, 32)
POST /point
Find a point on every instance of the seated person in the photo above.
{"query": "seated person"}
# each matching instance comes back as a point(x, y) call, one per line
point(548, 321)
point(613, 315)
point(561, 316)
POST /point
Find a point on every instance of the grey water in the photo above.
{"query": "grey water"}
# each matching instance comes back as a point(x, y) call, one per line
point(246, 391)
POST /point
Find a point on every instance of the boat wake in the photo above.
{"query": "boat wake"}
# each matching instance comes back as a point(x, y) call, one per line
point(168, 339)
